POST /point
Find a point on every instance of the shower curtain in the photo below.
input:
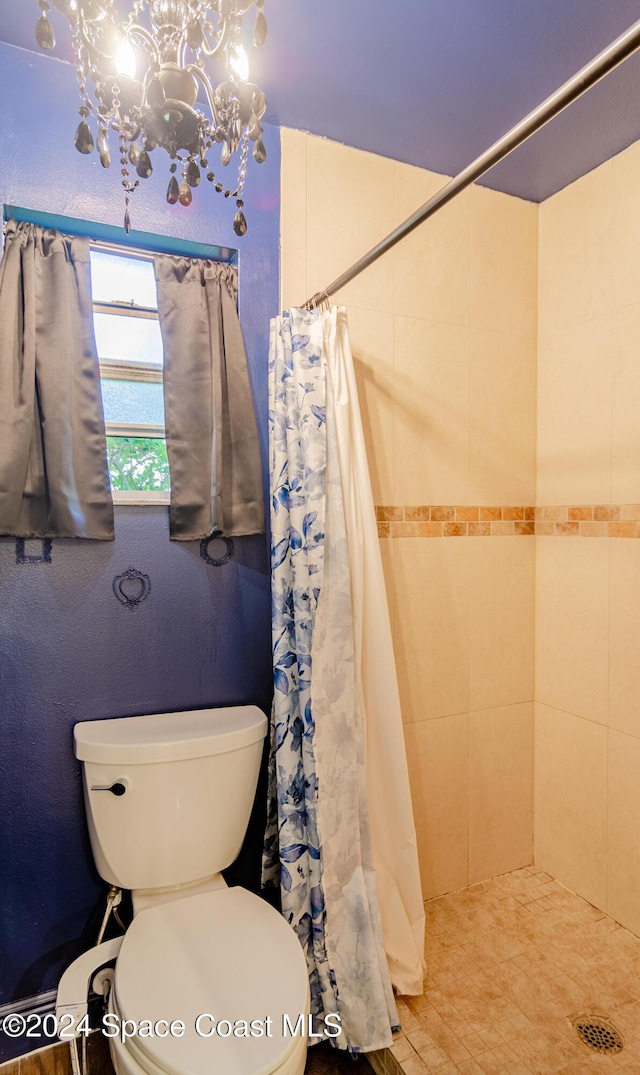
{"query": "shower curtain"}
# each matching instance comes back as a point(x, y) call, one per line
point(340, 836)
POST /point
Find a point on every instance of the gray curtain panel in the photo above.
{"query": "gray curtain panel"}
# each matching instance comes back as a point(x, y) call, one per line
point(54, 480)
point(212, 437)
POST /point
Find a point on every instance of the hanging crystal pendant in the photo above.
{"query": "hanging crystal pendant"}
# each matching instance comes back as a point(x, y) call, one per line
point(236, 134)
point(134, 153)
point(184, 195)
point(127, 221)
point(144, 168)
point(84, 139)
point(155, 94)
point(194, 36)
point(173, 191)
point(260, 29)
point(254, 129)
point(240, 223)
point(225, 156)
point(44, 33)
point(103, 148)
point(259, 152)
point(192, 175)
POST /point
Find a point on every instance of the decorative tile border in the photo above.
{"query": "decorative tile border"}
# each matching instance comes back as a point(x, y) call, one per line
point(451, 520)
point(589, 520)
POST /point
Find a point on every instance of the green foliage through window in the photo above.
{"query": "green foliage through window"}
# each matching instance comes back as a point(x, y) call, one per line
point(138, 463)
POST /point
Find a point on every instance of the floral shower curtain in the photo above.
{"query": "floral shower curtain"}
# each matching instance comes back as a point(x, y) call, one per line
point(340, 837)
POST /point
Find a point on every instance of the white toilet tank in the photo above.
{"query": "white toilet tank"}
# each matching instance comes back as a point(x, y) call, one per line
point(168, 796)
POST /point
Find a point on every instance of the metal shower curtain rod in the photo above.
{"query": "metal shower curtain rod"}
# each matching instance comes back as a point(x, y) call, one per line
point(610, 58)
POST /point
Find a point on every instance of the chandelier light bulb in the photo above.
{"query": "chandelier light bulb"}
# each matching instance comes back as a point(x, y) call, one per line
point(146, 82)
point(239, 61)
point(126, 59)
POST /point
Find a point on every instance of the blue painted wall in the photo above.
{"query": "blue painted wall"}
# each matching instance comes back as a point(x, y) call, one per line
point(68, 650)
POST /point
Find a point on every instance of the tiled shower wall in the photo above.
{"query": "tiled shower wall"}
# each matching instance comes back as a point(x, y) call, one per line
point(455, 400)
point(444, 337)
point(587, 801)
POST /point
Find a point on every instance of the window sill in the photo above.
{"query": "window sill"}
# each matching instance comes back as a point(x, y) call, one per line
point(138, 498)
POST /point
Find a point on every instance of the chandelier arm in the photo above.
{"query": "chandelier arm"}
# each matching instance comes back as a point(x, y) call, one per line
point(182, 45)
point(141, 32)
point(93, 51)
point(149, 74)
point(223, 37)
point(208, 88)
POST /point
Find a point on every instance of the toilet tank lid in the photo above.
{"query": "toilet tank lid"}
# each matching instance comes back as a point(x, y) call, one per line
point(159, 737)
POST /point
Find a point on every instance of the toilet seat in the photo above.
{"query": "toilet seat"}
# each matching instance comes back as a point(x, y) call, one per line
point(225, 956)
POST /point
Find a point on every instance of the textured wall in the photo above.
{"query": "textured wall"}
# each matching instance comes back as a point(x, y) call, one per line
point(68, 650)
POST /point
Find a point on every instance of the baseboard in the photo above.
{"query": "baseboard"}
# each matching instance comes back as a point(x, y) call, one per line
point(40, 1004)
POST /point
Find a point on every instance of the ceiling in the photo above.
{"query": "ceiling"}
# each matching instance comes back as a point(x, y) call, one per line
point(434, 82)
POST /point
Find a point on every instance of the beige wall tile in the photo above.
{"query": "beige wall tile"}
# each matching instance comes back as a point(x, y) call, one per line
point(571, 641)
point(625, 427)
point(293, 185)
point(504, 263)
point(437, 755)
point(501, 621)
point(293, 277)
point(500, 791)
point(350, 208)
point(386, 554)
point(430, 609)
point(626, 225)
point(503, 419)
point(432, 373)
point(624, 637)
point(574, 414)
point(433, 264)
point(372, 344)
point(623, 900)
point(575, 255)
point(570, 801)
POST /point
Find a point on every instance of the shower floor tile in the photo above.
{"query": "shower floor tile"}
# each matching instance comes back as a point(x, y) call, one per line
point(511, 963)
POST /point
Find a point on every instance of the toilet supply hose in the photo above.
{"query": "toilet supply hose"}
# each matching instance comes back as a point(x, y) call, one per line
point(114, 899)
point(75, 1059)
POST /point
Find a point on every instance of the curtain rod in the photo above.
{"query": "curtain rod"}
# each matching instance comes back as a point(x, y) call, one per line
point(610, 58)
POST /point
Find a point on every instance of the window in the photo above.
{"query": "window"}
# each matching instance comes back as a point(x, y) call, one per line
point(129, 344)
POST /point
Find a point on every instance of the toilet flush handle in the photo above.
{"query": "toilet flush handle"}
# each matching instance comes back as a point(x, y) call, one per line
point(116, 789)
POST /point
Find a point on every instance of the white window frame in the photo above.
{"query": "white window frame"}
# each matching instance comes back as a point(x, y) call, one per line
point(118, 369)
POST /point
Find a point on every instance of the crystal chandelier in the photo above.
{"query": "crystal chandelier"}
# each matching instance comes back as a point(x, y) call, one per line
point(147, 72)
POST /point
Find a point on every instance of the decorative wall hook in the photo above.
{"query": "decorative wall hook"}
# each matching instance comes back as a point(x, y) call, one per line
point(23, 557)
point(217, 561)
point(131, 587)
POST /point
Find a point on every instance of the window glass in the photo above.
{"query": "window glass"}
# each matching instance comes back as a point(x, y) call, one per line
point(116, 278)
point(136, 402)
point(138, 463)
point(128, 338)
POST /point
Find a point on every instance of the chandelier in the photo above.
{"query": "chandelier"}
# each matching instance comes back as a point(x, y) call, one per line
point(147, 73)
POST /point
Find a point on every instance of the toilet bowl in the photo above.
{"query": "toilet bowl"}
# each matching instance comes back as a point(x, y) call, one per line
point(209, 980)
point(225, 967)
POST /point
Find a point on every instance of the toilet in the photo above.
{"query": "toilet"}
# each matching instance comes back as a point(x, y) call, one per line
point(208, 979)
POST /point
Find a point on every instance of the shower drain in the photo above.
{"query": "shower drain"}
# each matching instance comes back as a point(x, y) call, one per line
point(599, 1034)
